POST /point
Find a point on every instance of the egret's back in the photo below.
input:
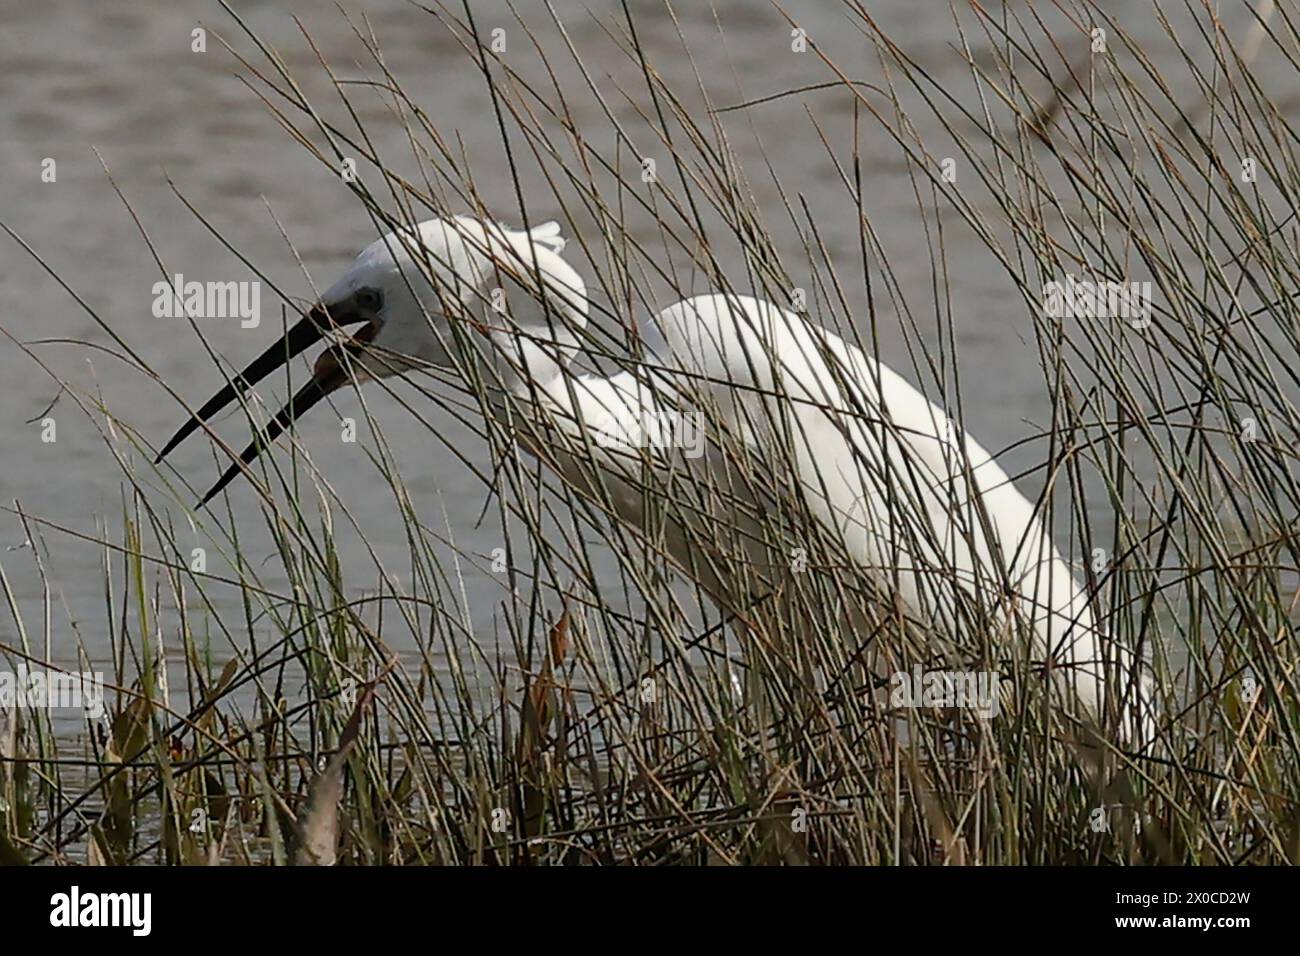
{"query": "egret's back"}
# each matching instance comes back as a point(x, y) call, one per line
point(918, 505)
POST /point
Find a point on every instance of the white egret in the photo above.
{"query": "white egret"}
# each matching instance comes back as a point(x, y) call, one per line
point(921, 508)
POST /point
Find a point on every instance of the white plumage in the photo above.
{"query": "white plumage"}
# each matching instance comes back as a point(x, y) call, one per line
point(796, 416)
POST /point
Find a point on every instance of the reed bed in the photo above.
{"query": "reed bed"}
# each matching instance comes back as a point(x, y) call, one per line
point(359, 714)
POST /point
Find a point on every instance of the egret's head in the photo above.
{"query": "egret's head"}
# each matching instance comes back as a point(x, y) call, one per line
point(406, 287)
point(411, 292)
point(411, 288)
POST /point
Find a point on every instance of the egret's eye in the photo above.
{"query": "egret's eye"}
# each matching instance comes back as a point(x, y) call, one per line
point(369, 300)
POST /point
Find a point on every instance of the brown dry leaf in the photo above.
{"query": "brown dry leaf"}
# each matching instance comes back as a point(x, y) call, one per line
point(318, 825)
point(538, 712)
point(560, 639)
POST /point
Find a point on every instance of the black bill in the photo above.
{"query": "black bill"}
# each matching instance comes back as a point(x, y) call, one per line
point(328, 376)
point(310, 394)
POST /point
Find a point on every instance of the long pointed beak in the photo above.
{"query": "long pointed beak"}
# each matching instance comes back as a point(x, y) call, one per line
point(305, 333)
point(328, 375)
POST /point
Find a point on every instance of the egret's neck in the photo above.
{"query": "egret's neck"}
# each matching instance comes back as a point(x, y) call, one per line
point(530, 359)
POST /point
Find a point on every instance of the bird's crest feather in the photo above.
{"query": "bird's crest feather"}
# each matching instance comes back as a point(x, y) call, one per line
point(548, 234)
